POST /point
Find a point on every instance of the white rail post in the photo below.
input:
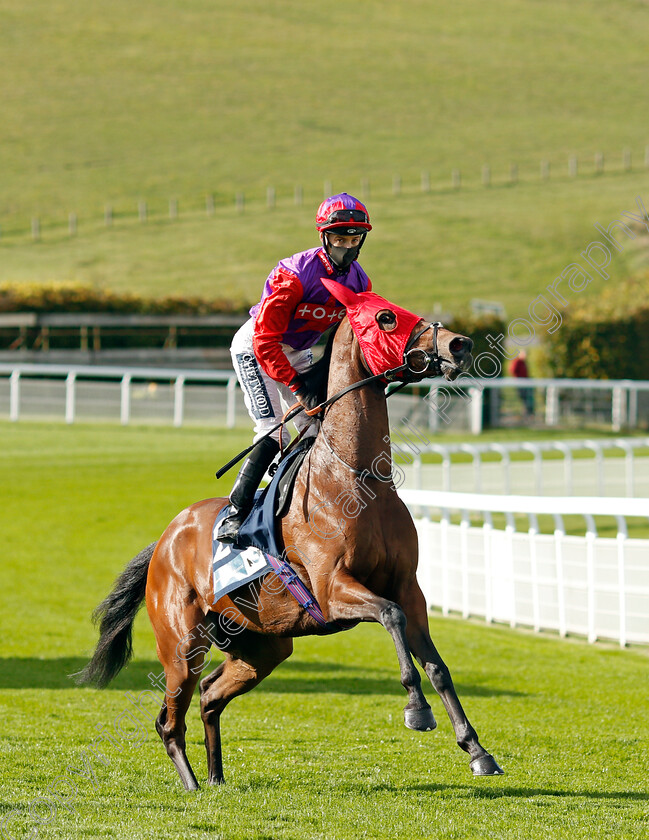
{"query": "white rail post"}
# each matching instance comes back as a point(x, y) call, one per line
point(591, 534)
point(445, 523)
point(618, 408)
point(633, 407)
point(464, 561)
point(533, 531)
point(510, 531)
point(559, 535)
point(477, 465)
point(538, 466)
point(433, 415)
point(599, 464)
point(70, 389)
point(125, 402)
point(505, 461)
point(14, 396)
point(487, 529)
point(475, 410)
point(551, 405)
point(231, 410)
point(567, 465)
point(621, 579)
point(179, 400)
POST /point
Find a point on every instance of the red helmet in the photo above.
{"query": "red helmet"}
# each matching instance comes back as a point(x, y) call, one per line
point(343, 213)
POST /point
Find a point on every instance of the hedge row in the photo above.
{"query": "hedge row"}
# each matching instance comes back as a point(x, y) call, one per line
point(73, 297)
point(607, 338)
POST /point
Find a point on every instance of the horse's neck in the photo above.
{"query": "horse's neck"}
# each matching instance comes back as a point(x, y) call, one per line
point(356, 426)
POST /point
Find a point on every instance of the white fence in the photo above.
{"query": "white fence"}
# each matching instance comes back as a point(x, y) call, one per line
point(589, 585)
point(177, 396)
point(125, 395)
point(540, 468)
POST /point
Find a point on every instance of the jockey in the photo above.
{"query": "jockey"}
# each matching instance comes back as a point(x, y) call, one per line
point(272, 349)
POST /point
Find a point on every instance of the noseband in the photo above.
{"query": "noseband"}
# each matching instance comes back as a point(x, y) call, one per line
point(417, 360)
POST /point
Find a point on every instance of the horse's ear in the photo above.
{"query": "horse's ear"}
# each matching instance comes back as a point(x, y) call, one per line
point(343, 295)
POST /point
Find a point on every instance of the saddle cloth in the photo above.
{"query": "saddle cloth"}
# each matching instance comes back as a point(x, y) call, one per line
point(247, 560)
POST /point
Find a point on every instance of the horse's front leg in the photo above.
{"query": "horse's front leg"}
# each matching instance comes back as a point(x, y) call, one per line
point(351, 600)
point(421, 644)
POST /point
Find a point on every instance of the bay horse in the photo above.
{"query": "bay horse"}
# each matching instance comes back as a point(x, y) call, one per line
point(359, 565)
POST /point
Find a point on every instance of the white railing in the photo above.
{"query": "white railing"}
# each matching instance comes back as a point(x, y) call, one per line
point(547, 468)
point(468, 400)
point(589, 585)
point(105, 392)
point(434, 405)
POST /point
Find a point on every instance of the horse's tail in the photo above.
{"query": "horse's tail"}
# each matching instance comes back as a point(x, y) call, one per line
point(116, 613)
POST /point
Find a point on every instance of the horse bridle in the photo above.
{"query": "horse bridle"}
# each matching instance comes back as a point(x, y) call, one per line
point(417, 360)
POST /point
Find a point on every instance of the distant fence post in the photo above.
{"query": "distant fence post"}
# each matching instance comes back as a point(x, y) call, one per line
point(270, 198)
point(425, 181)
point(240, 201)
point(572, 166)
point(108, 215)
point(14, 396)
point(36, 228)
point(125, 401)
point(599, 163)
point(456, 178)
point(173, 208)
point(70, 383)
point(142, 211)
point(179, 400)
point(626, 160)
point(513, 173)
point(72, 224)
point(396, 185)
point(209, 204)
point(328, 189)
point(545, 170)
point(299, 195)
point(365, 189)
point(486, 175)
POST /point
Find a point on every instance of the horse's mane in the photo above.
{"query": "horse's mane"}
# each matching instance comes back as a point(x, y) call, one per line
point(315, 378)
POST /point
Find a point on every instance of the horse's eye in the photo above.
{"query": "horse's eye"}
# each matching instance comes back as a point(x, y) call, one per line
point(387, 320)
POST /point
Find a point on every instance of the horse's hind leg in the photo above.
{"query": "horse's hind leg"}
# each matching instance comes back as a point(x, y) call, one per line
point(182, 661)
point(250, 658)
point(421, 644)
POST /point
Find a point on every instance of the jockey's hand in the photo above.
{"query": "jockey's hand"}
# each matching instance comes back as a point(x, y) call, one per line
point(305, 396)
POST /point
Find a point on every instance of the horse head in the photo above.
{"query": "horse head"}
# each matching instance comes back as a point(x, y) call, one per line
point(398, 343)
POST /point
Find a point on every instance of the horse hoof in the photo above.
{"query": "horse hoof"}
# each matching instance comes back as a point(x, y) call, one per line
point(422, 720)
point(486, 765)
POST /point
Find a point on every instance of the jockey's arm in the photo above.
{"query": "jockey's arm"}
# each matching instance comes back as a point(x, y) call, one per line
point(271, 324)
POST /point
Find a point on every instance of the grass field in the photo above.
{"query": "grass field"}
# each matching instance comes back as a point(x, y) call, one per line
point(319, 750)
point(116, 103)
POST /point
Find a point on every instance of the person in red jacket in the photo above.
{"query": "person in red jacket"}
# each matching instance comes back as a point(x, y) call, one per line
point(273, 348)
point(518, 368)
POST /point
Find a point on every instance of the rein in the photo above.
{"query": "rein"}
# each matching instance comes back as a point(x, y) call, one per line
point(421, 365)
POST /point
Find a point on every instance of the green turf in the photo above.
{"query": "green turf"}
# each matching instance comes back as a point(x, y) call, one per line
point(117, 103)
point(319, 750)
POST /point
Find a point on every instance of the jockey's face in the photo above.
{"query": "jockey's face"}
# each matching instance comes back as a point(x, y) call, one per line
point(338, 241)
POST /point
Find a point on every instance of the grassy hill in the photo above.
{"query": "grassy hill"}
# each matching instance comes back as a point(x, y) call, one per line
point(115, 103)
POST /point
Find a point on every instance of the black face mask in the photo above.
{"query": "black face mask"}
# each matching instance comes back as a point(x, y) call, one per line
point(341, 257)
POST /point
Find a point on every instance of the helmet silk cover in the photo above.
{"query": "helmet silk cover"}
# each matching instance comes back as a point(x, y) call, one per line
point(382, 350)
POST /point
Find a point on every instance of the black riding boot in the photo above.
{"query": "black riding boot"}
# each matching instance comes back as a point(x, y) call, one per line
point(243, 492)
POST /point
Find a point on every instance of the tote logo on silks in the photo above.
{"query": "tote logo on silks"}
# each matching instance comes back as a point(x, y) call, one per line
point(254, 385)
point(315, 314)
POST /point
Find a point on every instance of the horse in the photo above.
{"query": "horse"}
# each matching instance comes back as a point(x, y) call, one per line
point(360, 566)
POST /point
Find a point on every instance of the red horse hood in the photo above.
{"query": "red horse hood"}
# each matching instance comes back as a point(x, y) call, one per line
point(382, 350)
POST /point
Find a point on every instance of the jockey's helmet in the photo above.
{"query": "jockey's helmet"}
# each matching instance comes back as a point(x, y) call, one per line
point(346, 216)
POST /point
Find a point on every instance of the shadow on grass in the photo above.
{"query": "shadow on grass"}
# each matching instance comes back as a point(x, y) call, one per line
point(292, 677)
point(498, 792)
